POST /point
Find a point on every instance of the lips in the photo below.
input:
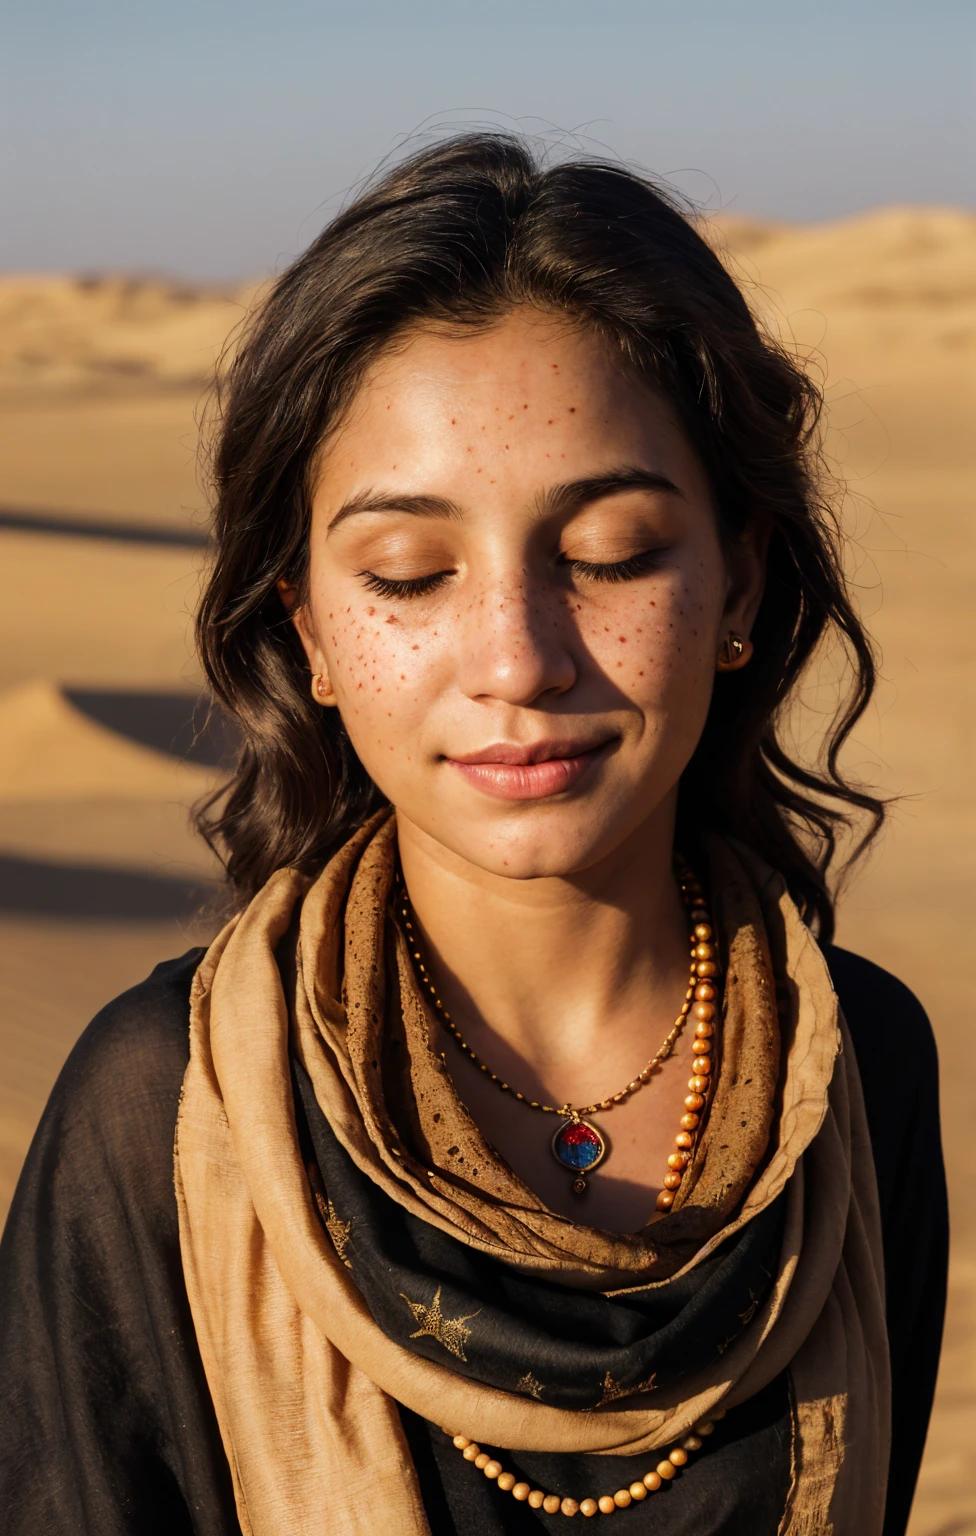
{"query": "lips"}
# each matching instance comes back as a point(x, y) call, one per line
point(509, 771)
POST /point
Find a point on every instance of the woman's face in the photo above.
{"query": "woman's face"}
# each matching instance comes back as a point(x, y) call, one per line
point(517, 592)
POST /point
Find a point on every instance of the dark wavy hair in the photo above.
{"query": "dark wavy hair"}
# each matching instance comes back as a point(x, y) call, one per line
point(461, 233)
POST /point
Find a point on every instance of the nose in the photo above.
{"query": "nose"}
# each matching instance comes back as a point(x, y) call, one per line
point(516, 645)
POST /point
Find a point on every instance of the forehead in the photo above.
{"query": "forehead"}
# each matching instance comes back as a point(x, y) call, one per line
point(527, 380)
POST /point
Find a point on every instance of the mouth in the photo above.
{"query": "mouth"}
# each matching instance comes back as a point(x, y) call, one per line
point(509, 771)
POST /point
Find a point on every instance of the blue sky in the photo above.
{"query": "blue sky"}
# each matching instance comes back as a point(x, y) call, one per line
point(213, 139)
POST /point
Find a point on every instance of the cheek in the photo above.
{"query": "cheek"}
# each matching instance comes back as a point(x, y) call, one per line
point(384, 669)
point(651, 639)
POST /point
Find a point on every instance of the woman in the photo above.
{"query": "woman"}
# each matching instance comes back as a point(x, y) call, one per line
point(536, 1152)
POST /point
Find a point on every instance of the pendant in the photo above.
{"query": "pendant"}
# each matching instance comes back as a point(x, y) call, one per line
point(578, 1147)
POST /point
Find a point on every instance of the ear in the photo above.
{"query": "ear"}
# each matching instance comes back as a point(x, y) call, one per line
point(300, 617)
point(745, 564)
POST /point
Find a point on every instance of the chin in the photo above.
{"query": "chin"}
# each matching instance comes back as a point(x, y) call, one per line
point(549, 852)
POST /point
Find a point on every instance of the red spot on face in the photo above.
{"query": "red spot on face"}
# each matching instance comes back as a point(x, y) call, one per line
point(572, 410)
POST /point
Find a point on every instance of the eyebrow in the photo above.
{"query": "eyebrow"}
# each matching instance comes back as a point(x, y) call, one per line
point(558, 500)
point(391, 501)
point(561, 500)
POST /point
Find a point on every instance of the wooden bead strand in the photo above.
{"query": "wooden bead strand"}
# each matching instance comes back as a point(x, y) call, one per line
point(602, 1504)
point(704, 1002)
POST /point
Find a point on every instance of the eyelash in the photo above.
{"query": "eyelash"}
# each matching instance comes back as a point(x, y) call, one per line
point(616, 570)
point(420, 586)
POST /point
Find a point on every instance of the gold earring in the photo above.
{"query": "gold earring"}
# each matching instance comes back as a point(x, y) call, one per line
point(733, 653)
point(319, 693)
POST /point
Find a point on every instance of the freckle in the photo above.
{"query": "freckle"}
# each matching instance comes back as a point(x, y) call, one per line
point(511, 418)
point(492, 482)
point(640, 674)
point(506, 445)
point(525, 407)
point(622, 639)
point(572, 410)
point(549, 422)
point(393, 619)
point(415, 647)
point(453, 421)
point(403, 677)
point(619, 663)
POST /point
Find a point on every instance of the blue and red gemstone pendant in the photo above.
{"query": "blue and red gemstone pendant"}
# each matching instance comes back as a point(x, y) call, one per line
point(578, 1147)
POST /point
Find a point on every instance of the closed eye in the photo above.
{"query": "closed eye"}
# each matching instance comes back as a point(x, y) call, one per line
point(616, 570)
point(402, 587)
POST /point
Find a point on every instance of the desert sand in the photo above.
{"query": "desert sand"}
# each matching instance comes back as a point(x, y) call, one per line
point(101, 519)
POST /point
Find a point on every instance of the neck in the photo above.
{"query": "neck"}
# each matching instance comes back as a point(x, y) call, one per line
point(563, 983)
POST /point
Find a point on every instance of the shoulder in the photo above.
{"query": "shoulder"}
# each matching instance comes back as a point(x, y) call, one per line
point(898, 1066)
point(111, 1117)
point(876, 1003)
point(140, 1042)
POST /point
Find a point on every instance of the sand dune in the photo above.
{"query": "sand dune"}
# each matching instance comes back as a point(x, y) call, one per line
point(49, 749)
point(111, 334)
point(100, 381)
point(75, 792)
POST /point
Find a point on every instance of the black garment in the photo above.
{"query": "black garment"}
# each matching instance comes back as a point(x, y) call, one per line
point(106, 1424)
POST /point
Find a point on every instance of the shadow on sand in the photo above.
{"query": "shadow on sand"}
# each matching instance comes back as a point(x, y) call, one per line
point(35, 888)
point(179, 724)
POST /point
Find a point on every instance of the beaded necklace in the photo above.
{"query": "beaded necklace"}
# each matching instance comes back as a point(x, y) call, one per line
point(604, 1504)
point(577, 1144)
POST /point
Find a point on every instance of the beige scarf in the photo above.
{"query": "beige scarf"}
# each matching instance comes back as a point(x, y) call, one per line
point(305, 1384)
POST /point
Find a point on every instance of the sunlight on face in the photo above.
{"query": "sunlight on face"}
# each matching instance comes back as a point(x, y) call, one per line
point(517, 592)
